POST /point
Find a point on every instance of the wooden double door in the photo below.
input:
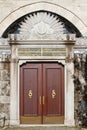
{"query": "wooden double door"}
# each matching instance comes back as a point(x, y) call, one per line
point(41, 93)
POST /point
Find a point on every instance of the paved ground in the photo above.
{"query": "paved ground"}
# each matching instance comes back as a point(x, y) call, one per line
point(41, 128)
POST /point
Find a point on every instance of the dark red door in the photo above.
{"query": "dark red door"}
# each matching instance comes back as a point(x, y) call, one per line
point(41, 93)
point(53, 92)
point(30, 85)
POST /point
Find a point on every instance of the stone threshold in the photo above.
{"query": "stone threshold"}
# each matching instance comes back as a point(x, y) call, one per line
point(50, 127)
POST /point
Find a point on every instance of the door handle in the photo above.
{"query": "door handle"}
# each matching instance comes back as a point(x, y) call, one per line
point(30, 94)
point(43, 100)
point(53, 93)
point(40, 100)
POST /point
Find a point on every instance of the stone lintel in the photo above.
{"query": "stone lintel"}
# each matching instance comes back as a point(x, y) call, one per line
point(42, 42)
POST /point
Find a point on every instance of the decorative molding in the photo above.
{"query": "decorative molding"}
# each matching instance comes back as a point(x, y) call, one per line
point(41, 51)
point(21, 61)
point(81, 41)
point(41, 26)
point(67, 39)
point(62, 62)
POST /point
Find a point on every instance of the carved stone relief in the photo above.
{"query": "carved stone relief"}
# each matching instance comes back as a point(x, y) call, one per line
point(41, 51)
point(41, 26)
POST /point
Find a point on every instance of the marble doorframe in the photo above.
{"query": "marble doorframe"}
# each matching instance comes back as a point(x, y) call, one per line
point(16, 61)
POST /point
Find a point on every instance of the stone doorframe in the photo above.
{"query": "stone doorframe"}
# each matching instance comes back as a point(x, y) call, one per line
point(66, 60)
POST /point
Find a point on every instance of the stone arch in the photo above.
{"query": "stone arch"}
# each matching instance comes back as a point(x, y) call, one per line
point(13, 16)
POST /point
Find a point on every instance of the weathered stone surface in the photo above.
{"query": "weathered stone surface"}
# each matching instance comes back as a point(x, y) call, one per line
point(4, 110)
point(5, 88)
point(0, 87)
point(4, 92)
point(1, 107)
point(4, 99)
point(43, 128)
point(80, 81)
point(1, 66)
point(5, 75)
point(4, 114)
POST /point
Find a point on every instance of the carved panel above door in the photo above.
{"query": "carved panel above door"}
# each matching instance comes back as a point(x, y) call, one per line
point(40, 26)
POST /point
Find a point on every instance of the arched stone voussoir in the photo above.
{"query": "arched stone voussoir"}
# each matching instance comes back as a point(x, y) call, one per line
point(48, 6)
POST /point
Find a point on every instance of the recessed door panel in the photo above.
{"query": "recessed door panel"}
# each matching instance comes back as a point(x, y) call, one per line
point(42, 93)
point(53, 108)
point(30, 93)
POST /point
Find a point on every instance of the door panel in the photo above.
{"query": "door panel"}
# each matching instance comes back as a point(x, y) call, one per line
point(53, 90)
point(30, 92)
point(41, 93)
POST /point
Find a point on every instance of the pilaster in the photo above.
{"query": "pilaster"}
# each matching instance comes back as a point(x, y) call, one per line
point(69, 115)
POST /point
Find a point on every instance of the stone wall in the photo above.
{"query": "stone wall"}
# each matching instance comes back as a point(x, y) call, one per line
point(73, 10)
point(80, 81)
point(4, 91)
point(80, 91)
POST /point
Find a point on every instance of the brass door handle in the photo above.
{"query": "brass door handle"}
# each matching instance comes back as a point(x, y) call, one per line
point(53, 93)
point(30, 94)
point(43, 100)
point(40, 100)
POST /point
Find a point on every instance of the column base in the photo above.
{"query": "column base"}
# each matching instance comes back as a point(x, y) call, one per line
point(69, 122)
point(14, 122)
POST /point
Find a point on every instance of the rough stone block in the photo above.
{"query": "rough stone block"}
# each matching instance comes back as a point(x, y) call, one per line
point(5, 90)
point(7, 66)
point(5, 99)
point(0, 87)
point(1, 66)
point(6, 110)
point(5, 75)
point(1, 107)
